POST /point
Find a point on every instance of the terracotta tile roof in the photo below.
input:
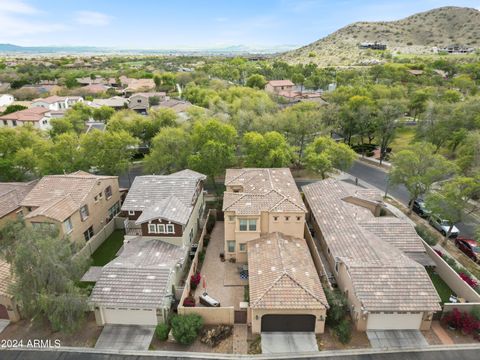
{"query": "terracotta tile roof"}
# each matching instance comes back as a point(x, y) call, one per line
point(276, 83)
point(137, 85)
point(12, 194)
point(59, 196)
point(262, 190)
point(282, 274)
point(95, 88)
point(5, 278)
point(31, 114)
point(51, 99)
point(383, 277)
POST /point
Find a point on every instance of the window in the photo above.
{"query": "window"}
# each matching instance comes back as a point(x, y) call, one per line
point(88, 234)
point(131, 212)
point(161, 229)
point(5, 122)
point(275, 218)
point(84, 212)
point(231, 246)
point(287, 218)
point(67, 225)
point(299, 218)
point(243, 247)
point(170, 229)
point(248, 225)
point(96, 198)
point(14, 122)
point(114, 210)
point(152, 229)
point(108, 192)
point(100, 195)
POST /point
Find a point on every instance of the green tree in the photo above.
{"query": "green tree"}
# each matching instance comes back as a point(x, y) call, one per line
point(268, 150)
point(13, 108)
point(63, 155)
point(170, 150)
point(468, 154)
point(389, 112)
point(185, 328)
point(417, 168)
point(110, 152)
point(418, 102)
point(256, 81)
point(103, 113)
point(46, 274)
point(298, 79)
point(451, 200)
point(324, 155)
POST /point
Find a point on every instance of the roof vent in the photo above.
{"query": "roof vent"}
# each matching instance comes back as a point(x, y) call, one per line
point(106, 289)
point(112, 275)
point(273, 268)
point(259, 272)
point(147, 290)
point(150, 277)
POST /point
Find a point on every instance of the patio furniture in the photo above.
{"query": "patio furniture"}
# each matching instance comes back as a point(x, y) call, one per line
point(207, 300)
point(244, 274)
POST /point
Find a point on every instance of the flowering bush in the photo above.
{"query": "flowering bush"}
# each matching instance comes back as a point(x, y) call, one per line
point(468, 280)
point(189, 302)
point(195, 280)
point(464, 322)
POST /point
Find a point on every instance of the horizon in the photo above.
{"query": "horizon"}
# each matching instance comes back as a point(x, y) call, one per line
point(207, 24)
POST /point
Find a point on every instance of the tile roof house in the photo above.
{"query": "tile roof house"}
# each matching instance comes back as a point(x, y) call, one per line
point(374, 258)
point(8, 307)
point(275, 86)
point(57, 103)
point(94, 89)
point(285, 290)
point(140, 101)
point(38, 117)
point(136, 287)
point(11, 195)
point(165, 207)
point(79, 204)
point(116, 102)
point(137, 85)
point(257, 202)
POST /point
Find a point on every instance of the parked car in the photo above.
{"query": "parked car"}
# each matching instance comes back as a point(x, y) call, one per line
point(469, 247)
point(443, 226)
point(420, 208)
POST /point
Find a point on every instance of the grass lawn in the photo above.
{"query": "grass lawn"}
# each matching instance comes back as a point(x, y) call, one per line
point(403, 138)
point(442, 288)
point(106, 252)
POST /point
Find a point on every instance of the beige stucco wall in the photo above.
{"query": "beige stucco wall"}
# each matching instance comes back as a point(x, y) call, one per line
point(98, 212)
point(211, 315)
point(255, 317)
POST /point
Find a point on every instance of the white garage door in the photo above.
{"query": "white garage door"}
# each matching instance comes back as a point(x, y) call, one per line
point(400, 321)
point(129, 316)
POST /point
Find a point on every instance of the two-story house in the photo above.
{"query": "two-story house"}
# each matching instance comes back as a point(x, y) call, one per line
point(140, 102)
point(165, 207)
point(79, 204)
point(277, 86)
point(57, 103)
point(257, 202)
point(38, 117)
point(11, 195)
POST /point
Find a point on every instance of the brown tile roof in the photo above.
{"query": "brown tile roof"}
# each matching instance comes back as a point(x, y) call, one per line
point(282, 274)
point(12, 194)
point(95, 88)
point(59, 196)
point(276, 83)
point(136, 85)
point(5, 278)
point(51, 99)
point(32, 114)
point(262, 190)
point(383, 277)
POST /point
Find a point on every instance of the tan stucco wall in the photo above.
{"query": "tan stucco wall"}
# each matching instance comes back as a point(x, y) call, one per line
point(98, 211)
point(255, 317)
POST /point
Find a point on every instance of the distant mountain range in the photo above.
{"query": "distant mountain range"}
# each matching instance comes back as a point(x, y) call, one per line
point(10, 49)
point(416, 34)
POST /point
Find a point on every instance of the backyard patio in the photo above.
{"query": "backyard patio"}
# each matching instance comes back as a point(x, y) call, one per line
point(222, 279)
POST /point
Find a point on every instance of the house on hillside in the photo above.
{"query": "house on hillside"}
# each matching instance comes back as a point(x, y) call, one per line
point(78, 205)
point(11, 195)
point(257, 202)
point(165, 207)
point(115, 102)
point(141, 102)
point(136, 85)
point(38, 117)
point(378, 261)
point(179, 106)
point(276, 86)
point(6, 99)
point(94, 89)
point(57, 103)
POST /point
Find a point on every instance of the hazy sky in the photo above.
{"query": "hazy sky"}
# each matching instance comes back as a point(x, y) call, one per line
point(192, 23)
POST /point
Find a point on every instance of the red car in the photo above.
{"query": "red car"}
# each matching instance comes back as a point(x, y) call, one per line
point(469, 247)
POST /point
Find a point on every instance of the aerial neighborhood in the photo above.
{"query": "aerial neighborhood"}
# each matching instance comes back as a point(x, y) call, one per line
point(318, 202)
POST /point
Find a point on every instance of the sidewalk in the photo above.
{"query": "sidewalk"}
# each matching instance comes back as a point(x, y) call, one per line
point(441, 333)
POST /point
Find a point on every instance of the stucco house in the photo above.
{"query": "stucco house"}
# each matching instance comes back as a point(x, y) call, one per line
point(276, 86)
point(38, 117)
point(257, 202)
point(377, 263)
point(285, 290)
point(79, 204)
point(57, 103)
point(11, 195)
point(165, 207)
point(140, 102)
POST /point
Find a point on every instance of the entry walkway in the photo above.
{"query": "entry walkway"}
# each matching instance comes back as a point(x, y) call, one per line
point(240, 345)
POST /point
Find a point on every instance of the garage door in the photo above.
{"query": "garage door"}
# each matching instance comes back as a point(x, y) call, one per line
point(289, 323)
point(129, 317)
point(394, 321)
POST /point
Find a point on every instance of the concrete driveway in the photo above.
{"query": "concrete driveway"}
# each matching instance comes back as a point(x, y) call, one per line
point(398, 339)
point(288, 342)
point(125, 337)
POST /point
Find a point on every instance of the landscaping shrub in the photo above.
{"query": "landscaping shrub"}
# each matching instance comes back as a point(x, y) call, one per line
point(210, 223)
point(338, 308)
point(206, 240)
point(468, 280)
point(463, 321)
point(189, 301)
point(161, 331)
point(185, 328)
point(426, 235)
point(201, 256)
point(195, 280)
point(344, 331)
point(475, 312)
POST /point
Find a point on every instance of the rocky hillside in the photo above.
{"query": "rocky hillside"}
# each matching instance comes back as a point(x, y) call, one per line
point(417, 34)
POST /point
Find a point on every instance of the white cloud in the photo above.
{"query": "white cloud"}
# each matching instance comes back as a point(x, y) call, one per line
point(92, 18)
point(16, 7)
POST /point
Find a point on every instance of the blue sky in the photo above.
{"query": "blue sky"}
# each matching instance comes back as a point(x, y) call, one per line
point(192, 23)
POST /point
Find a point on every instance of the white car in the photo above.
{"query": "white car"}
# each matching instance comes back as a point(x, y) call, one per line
point(443, 226)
